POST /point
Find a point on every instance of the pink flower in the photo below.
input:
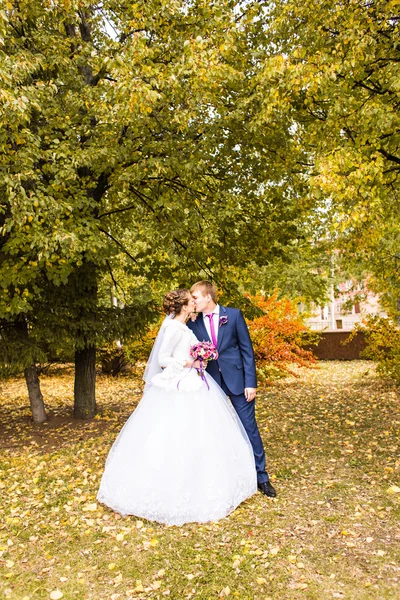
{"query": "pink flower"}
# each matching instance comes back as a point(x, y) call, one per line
point(204, 350)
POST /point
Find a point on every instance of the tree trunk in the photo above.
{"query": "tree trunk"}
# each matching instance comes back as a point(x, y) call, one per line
point(35, 395)
point(84, 286)
point(31, 377)
point(85, 383)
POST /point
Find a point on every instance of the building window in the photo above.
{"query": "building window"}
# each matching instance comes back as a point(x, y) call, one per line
point(357, 309)
point(339, 324)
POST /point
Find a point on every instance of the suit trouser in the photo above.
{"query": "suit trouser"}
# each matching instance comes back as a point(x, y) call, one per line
point(247, 414)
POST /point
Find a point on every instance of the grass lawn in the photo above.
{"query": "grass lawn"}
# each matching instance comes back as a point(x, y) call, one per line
point(332, 441)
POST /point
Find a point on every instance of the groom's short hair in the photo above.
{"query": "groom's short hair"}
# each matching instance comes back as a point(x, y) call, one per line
point(206, 287)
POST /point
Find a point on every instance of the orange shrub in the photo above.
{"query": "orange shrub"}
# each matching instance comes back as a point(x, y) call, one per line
point(279, 336)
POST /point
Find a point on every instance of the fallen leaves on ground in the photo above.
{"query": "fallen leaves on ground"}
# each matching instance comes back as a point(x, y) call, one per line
point(332, 448)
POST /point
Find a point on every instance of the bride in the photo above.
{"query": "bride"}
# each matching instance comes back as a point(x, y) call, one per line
point(183, 455)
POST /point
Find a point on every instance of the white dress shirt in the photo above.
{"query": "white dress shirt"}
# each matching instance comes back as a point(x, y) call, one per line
point(215, 320)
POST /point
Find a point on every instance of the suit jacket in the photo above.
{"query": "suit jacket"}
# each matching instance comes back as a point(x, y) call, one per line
point(236, 357)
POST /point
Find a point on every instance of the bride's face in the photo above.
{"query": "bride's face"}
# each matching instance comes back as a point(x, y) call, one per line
point(190, 306)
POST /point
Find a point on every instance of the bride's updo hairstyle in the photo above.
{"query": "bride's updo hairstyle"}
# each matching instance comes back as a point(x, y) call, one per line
point(175, 300)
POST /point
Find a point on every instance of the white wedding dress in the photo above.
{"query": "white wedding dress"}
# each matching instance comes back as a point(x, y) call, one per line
point(183, 455)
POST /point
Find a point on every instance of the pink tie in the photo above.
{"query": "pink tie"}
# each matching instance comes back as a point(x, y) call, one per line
point(212, 329)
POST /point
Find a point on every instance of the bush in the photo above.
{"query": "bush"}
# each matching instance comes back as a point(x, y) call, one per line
point(278, 337)
point(383, 345)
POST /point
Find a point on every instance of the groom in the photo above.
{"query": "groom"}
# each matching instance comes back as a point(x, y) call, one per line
point(235, 369)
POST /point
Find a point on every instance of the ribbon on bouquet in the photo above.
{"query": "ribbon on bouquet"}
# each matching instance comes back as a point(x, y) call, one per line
point(200, 372)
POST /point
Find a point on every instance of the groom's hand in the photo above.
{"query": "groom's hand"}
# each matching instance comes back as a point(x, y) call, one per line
point(250, 394)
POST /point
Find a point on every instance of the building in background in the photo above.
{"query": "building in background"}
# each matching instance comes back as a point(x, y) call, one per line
point(350, 302)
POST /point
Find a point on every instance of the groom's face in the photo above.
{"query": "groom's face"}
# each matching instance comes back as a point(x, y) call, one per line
point(200, 300)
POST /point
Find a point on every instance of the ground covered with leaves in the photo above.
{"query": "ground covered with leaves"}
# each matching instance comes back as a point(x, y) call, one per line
point(333, 531)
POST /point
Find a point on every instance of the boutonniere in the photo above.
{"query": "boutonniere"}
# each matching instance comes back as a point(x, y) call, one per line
point(223, 321)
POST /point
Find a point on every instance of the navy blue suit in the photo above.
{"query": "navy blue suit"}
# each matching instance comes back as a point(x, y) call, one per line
point(234, 371)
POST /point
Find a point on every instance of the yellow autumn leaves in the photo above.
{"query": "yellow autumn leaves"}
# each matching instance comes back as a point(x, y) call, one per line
point(336, 510)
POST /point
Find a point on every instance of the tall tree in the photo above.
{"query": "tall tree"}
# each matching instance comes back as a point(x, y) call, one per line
point(128, 141)
point(333, 70)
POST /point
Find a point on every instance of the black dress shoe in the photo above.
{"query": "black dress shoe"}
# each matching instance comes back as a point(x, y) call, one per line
point(267, 489)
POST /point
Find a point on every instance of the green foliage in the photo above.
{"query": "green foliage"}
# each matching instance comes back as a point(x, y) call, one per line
point(302, 275)
point(138, 350)
point(129, 163)
point(133, 351)
point(383, 346)
point(121, 144)
point(17, 349)
point(333, 71)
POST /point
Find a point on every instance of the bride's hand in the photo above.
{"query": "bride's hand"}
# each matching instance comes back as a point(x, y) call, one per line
point(193, 363)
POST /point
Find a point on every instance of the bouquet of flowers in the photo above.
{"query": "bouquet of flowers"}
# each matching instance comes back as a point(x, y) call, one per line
point(203, 352)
